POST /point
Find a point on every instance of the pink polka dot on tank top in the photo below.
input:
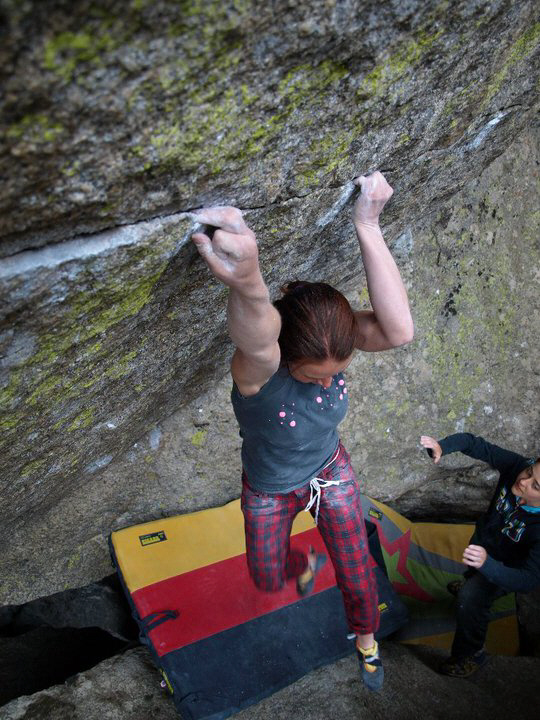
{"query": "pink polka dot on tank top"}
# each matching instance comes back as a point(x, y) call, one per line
point(282, 414)
point(318, 399)
point(341, 382)
point(292, 423)
point(341, 396)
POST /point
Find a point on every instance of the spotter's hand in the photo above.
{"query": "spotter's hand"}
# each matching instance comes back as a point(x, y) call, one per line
point(231, 254)
point(375, 193)
point(474, 556)
point(432, 446)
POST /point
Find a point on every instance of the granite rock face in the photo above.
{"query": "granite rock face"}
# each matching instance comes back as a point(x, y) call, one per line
point(120, 111)
point(473, 290)
point(120, 118)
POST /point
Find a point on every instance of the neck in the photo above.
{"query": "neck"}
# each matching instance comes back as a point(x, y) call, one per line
point(522, 501)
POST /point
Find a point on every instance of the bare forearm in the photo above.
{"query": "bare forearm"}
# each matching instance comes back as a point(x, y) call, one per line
point(253, 322)
point(386, 289)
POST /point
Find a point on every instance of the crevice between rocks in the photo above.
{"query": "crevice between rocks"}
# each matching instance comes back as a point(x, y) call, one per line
point(163, 218)
point(47, 641)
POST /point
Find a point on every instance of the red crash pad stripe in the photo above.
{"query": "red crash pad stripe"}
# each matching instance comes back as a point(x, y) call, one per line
point(217, 597)
point(182, 543)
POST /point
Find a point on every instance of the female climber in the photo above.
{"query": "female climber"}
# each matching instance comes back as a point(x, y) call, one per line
point(289, 395)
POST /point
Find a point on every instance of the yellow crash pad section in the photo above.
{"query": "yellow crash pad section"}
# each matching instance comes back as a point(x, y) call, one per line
point(193, 541)
point(442, 539)
point(502, 638)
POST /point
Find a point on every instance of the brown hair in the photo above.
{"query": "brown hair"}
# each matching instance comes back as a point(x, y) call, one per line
point(317, 322)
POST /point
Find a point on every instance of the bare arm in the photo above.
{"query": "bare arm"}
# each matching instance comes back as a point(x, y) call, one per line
point(389, 324)
point(254, 326)
point(253, 322)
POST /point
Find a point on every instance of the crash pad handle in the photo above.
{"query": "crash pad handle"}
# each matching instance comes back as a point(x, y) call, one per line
point(149, 622)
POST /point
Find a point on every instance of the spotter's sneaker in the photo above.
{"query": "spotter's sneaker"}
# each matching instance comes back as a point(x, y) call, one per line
point(463, 667)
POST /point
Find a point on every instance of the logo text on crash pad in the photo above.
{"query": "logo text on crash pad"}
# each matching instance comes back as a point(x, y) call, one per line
point(152, 538)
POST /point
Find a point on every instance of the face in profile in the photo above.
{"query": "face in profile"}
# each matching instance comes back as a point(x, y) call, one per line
point(527, 485)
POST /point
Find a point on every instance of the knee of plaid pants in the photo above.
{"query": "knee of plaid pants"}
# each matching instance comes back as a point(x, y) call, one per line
point(267, 523)
point(341, 524)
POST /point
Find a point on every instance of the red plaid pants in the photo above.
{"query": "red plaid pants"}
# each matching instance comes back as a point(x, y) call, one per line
point(271, 560)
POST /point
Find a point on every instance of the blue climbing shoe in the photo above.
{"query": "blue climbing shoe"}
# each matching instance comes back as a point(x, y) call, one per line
point(371, 667)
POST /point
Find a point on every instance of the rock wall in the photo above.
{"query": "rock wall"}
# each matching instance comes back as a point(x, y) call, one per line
point(119, 118)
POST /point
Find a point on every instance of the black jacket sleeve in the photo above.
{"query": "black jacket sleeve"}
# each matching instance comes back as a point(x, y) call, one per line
point(522, 579)
point(476, 447)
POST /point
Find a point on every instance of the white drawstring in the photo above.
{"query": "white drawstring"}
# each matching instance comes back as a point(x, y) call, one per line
point(316, 484)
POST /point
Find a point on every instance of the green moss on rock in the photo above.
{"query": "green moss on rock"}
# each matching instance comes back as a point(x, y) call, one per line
point(484, 318)
point(396, 66)
point(9, 392)
point(32, 468)
point(35, 128)
point(93, 312)
point(122, 367)
point(199, 438)
point(519, 51)
point(217, 127)
point(83, 420)
point(326, 155)
point(64, 52)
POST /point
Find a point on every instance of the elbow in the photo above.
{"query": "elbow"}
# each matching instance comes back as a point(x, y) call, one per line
point(404, 335)
point(525, 586)
point(408, 335)
point(522, 582)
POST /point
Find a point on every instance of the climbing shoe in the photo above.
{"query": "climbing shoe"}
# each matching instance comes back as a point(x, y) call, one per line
point(304, 585)
point(463, 667)
point(371, 667)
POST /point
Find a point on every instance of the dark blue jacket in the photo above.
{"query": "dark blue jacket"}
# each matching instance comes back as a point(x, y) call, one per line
point(510, 534)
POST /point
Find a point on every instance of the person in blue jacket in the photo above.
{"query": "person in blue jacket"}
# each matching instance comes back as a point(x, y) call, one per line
point(504, 552)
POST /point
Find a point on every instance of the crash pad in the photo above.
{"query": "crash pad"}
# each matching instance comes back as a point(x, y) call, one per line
point(221, 644)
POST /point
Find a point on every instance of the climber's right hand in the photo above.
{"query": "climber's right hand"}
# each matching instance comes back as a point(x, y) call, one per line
point(231, 250)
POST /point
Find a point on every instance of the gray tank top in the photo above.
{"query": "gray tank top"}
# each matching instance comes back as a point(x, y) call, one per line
point(289, 430)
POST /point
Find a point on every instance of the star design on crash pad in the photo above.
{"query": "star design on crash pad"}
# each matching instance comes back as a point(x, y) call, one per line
point(397, 553)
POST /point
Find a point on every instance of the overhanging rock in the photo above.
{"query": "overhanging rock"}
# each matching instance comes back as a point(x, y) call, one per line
point(119, 118)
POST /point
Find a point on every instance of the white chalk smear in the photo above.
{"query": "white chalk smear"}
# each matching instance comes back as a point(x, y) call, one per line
point(154, 437)
point(485, 131)
point(98, 464)
point(336, 208)
point(87, 246)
